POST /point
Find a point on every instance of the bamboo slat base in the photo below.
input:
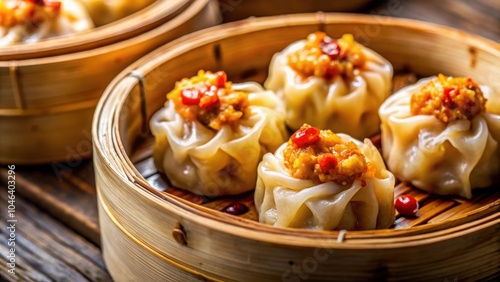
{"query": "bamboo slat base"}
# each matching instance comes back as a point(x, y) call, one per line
point(434, 209)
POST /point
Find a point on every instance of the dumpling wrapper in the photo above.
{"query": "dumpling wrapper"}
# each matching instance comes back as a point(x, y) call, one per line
point(444, 159)
point(284, 201)
point(341, 106)
point(72, 18)
point(224, 162)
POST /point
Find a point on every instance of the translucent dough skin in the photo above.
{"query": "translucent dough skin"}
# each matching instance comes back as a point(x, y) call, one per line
point(284, 201)
point(444, 159)
point(73, 18)
point(224, 162)
point(339, 105)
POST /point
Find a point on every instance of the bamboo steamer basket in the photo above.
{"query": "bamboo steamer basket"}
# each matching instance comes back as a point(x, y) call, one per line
point(49, 90)
point(233, 10)
point(153, 232)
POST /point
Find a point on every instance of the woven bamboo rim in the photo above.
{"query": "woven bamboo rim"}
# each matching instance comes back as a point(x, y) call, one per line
point(166, 227)
point(36, 91)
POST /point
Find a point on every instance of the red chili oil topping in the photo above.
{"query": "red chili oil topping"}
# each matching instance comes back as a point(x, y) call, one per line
point(327, 162)
point(210, 99)
point(322, 156)
point(449, 99)
point(328, 58)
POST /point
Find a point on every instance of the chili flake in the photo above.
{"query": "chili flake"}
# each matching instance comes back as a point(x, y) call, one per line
point(328, 58)
point(210, 99)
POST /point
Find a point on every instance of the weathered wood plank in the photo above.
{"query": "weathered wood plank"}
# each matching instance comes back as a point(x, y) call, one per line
point(45, 262)
point(54, 237)
point(68, 194)
point(20, 273)
point(46, 248)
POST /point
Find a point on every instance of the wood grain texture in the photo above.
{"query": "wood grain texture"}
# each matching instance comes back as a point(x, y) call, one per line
point(47, 250)
point(67, 194)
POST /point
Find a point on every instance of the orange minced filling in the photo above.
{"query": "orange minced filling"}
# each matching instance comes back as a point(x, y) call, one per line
point(32, 12)
point(322, 156)
point(325, 57)
point(210, 99)
point(449, 99)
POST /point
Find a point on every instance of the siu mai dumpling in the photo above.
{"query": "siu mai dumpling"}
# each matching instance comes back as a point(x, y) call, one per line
point(107, 11)
point(321, 180)
point(336, 84)
point(442, 134)
point(28, 21)
point(212, 134)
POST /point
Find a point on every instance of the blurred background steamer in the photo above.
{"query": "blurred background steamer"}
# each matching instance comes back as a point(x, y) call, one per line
point(233, 10)
point(49, 89)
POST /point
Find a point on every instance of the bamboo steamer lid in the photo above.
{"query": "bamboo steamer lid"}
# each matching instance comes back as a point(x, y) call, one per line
point(49, 89)
point(151, 232)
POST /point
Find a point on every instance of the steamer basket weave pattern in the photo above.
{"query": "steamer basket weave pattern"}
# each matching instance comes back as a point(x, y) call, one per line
point(154, 232)
point(49, 89)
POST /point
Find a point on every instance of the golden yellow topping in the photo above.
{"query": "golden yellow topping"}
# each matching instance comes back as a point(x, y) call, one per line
point(449, 99)
point(24, 12)
point(325, 57)
point(209, 98)
point(322, 156)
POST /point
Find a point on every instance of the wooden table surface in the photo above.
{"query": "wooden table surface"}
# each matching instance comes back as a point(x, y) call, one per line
point(57, 232)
